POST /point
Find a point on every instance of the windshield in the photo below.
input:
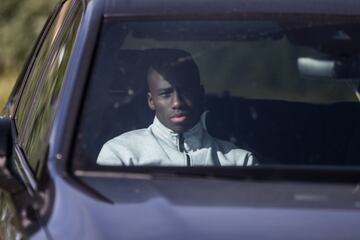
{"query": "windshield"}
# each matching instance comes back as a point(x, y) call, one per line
point(241, 93)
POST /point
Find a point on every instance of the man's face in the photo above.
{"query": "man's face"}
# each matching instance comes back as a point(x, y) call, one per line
point(177, 104)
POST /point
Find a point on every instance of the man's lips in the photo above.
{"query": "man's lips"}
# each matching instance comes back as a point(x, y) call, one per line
point(179, 118)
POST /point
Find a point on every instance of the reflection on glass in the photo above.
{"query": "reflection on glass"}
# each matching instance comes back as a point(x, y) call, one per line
point(39, 119)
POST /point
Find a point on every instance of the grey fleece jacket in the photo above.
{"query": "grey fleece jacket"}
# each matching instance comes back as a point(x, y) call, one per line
point(160, 146)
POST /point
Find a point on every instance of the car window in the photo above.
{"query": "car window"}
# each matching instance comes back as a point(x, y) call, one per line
point(40, 62)
point(281, 91)
point(39, 99)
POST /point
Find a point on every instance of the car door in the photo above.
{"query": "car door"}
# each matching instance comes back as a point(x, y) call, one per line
point(34, 103)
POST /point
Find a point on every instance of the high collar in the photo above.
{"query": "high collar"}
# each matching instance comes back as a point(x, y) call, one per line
point(193, 138)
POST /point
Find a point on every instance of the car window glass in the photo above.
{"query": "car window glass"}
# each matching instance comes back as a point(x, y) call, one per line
point(28, 95)
point(38, 102)
point(285, 90)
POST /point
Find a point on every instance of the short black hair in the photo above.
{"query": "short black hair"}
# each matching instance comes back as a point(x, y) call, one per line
point(173, 64)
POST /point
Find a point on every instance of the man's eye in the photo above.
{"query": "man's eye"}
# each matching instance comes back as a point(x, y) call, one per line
point(165, 94)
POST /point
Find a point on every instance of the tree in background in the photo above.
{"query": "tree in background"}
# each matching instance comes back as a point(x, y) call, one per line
point(20, 23)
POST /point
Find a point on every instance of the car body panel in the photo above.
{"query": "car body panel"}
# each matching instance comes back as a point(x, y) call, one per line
point(209, 209)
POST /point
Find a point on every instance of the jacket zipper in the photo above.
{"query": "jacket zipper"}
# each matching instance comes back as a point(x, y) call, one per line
point(182, 149)
point(187, 159)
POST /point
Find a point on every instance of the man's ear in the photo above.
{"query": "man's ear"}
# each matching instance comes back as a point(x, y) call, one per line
point(150, 101)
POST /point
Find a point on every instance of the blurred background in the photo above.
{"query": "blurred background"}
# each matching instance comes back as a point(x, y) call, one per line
point(20, 23)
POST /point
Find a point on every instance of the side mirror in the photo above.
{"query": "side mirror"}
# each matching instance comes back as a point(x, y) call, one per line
point(8, 180)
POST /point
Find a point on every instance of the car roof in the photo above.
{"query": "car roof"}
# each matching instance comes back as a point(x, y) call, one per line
point(191, 7)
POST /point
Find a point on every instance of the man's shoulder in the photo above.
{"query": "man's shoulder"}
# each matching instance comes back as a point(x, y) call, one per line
point(222, 144)
point(129, 137)
point(228, 147)
point(232, 154)
point(123, 149)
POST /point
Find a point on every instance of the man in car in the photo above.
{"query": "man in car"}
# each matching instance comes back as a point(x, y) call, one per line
point(177, 136)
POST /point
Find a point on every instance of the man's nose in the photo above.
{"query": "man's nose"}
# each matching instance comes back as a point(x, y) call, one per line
point(177, 101)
